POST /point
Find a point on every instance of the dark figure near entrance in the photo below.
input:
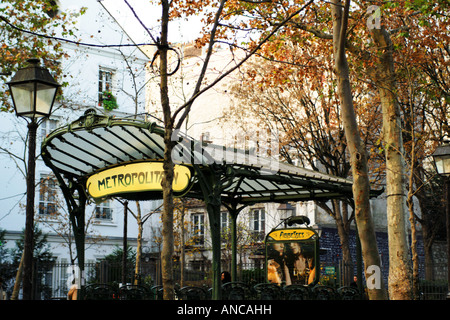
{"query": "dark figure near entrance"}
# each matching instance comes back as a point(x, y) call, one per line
point(226, 277)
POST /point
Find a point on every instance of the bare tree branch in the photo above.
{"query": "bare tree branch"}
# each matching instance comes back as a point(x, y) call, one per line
point(187, 106)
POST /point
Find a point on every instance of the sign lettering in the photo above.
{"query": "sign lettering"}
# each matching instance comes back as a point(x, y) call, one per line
point(291, 234)
point(136, 177)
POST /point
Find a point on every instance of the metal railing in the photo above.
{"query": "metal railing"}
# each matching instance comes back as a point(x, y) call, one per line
point(52, 281)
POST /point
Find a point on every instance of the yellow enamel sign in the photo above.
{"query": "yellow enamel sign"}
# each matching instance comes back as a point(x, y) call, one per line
point(135, 177)
point(291, 234)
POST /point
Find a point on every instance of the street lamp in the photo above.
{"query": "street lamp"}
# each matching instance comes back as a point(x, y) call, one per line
point(33, 91)
point(441, 158)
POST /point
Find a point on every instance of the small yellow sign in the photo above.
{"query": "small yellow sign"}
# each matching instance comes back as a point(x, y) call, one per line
point(135, 177)
point(291, 234)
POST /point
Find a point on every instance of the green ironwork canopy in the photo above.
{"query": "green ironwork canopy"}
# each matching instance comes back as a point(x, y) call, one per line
point(95, 142)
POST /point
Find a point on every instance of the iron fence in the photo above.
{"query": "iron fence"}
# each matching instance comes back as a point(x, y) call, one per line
point(52, 281)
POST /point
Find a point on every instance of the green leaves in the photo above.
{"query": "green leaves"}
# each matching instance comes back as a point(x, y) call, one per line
point(21, 27)
point(109, 101)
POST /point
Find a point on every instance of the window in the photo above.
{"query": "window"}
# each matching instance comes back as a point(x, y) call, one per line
point(225, 225)
point(47, 195)
point(224, 221)
point(103, 211)
point(198, 228)
point(105, 82)
point(258, 224)
point(46, 127)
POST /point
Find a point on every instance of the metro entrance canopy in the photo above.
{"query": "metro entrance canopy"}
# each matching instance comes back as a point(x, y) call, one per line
point(109, 153)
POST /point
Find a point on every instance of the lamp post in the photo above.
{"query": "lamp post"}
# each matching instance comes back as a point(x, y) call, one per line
point(441, 158)
point(33, 91)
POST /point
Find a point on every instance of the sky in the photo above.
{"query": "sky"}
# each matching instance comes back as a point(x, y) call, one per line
point(182, 31)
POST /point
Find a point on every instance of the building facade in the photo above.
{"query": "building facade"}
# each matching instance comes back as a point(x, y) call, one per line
point(90, 71)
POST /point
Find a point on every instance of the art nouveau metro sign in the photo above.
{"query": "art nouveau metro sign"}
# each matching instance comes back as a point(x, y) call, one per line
point(292, 234)
point(135, 178)
point(292, 256)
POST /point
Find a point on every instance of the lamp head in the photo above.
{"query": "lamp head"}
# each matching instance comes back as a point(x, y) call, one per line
point(441, 157)
point(33, 91)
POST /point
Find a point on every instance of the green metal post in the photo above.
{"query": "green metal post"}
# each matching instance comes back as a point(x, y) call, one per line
point(211, 188)
point(214, 221)
point(77, 218)
point(77, 212)
point(233, 245)
point(234, 212)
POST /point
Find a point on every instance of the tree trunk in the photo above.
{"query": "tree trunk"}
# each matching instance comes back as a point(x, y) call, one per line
point(415, 256)
point(167, 214)
point(343, 231)
point(428, 251)
point(399, 260)
point(427, 205)
point(358, 157)
point(167, 218)
point(412, 221)
point(139, 244)
point(18, 281)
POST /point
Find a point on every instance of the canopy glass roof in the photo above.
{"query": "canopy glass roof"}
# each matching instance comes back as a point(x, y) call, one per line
point(96, 142)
